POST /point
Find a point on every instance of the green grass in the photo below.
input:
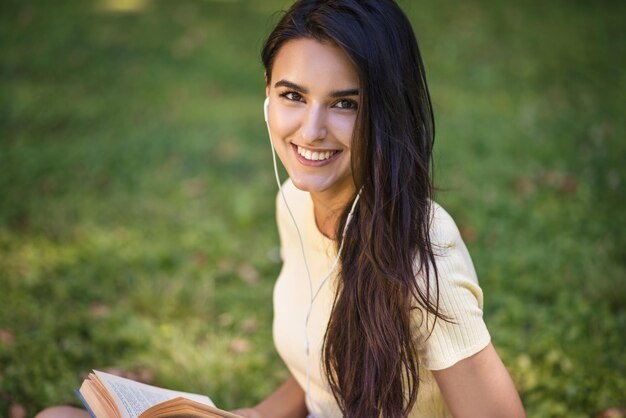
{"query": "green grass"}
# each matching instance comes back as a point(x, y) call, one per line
point(136, 193)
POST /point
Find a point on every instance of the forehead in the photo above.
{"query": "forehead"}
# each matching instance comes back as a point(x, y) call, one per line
point(316, 65)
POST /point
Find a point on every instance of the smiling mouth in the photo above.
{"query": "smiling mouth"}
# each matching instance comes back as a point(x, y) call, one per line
point(315, 155)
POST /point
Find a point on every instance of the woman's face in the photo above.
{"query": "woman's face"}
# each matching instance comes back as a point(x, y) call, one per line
point(313, 102)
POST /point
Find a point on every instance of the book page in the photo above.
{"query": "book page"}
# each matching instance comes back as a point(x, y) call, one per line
point(132, 398)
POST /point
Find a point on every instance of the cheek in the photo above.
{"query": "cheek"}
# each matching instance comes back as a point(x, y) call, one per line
point(343, 127)
point(284, 122)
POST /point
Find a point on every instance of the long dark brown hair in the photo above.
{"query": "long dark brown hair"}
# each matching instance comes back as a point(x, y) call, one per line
point(387, 268)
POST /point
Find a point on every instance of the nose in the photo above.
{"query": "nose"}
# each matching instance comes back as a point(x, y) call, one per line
point(313, 126)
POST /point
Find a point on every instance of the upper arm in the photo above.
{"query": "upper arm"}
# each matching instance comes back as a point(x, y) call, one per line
point(479, 386)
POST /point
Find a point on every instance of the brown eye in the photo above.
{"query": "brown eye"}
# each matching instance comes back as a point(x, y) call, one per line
point(292, 95)
point(346, 104)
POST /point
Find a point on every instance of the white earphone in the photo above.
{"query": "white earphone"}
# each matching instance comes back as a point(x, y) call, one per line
point(313, 295)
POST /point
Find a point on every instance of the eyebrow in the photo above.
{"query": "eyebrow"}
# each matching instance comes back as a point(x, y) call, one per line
point(337, 93)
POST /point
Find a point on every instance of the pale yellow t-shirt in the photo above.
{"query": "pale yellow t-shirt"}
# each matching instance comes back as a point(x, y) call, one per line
point(460, 297)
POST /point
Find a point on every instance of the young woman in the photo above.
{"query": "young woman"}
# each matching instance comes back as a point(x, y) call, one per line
point(378, 311)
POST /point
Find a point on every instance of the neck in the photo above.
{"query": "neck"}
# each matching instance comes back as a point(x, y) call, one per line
point(328, 207)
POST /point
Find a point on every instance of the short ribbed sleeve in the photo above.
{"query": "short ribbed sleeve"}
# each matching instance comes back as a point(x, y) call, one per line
point(460, 299)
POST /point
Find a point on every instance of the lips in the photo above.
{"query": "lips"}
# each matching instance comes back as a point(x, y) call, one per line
point(316, 155)
point(314, 158)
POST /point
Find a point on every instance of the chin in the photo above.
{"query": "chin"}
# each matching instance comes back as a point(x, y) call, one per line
point(318, 185)
point(323, 181)
point(307, 186)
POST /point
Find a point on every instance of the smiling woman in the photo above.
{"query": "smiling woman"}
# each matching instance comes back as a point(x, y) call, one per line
point(377, 309)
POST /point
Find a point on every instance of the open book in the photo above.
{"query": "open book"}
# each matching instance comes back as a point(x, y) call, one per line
point(109, 396)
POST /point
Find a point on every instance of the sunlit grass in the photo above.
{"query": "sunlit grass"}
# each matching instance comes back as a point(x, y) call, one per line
point(124, 6)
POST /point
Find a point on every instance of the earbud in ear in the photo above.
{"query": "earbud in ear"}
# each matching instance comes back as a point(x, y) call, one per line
point(265, 107)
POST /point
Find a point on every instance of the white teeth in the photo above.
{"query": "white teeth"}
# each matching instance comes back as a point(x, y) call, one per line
point(315, 155)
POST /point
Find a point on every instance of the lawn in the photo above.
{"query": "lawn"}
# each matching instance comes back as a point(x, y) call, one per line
point(137, 228)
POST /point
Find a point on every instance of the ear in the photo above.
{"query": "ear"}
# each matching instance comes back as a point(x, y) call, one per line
point(267, 85)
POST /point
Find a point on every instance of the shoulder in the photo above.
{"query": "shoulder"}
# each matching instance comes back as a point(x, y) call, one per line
point(290, 199)
point(448, 245)
point(292, 206)
point(288, 189)
point(452, 257)
point(443, 229)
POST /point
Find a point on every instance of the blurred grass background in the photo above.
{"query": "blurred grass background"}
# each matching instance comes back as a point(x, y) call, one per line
point(136, 193)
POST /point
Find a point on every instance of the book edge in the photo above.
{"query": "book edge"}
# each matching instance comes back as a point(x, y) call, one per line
point(80, 396)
